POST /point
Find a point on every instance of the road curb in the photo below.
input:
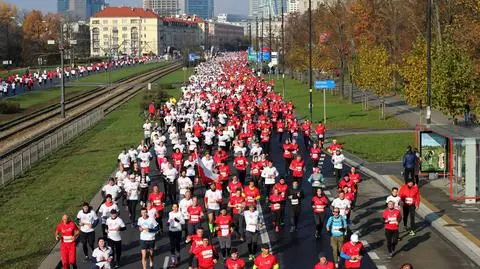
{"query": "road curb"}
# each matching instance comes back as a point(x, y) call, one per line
point(464, 244)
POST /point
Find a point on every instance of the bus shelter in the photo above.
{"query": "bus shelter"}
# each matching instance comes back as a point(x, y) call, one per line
point(453, 152)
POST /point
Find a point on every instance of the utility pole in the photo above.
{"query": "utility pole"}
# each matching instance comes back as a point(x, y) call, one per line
point(62, 85)
point(310, 57)
point(256, 35)
point(429, 61)
point(261, 48)
point(250, 33)
point(283, 53)
point(270, 30)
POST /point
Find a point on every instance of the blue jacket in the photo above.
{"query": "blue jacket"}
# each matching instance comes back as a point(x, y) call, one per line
point(409, 159)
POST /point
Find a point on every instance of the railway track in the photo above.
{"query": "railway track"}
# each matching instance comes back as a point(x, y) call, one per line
point(16, 134)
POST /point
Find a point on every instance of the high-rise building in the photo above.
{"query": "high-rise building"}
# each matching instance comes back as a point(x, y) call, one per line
point(253, 8)
point(166, 7)
point(80, 9)
point(293, 6)
point(303, 5)
point(257, 8)
point(62, 6)
point(202, 8)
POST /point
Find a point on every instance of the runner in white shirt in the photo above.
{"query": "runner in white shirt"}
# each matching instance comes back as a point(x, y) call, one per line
point(132, 189)
point(252, 227)
point(269, 174)
point(171, 179)
point(115, 225)
point(343, 204)
point(145, 156)
point(102, 255)
point(207, 161)
point(189, 164)
point(104, 212)
point(183, 206)
point(120, 176)
point(212, 201)
point(184, 183)
point(133, 154)
point(147, 129)
point(124, 159)
point(394, 198)
point(148, 228)
point(256, 150)
point(112, 189)
point(87, 220)
point(175, 222)
point(337, 159)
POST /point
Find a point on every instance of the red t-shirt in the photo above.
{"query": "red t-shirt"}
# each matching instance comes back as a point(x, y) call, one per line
point(265, 262)
point(240, 163)
point(349, 183)
point(223, 223)
point(205, 256)
point(194, 213)
point(256, 169)
point(319, 203)
point(282, 189)
point(320, 129)
point(197, 241)
point(238, 202)
point(275, 202)
point(177, 159)
point(287, 153)
point(67, 231)
point(297, 168)
point(251, 194)
point(352, 250)
point(223, 172)
point(315, 153)
point(391, 217)
point(235, 264)
point(329, 265)
point(355, 177)
point(156, 200)
point(234, 186)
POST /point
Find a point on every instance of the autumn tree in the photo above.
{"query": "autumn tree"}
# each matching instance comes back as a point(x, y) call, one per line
point(10, 34)
point(413, 70)
point(374, 71)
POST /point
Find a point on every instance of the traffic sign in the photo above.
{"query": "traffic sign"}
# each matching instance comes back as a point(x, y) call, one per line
point(325, 84)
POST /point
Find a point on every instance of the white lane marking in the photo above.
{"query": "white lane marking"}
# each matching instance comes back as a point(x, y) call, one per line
point(321, 159)
point(365, 243)
point(382, 267)
point(373, 255)
point(328, 193)
point(263, 230)
point(165, 262)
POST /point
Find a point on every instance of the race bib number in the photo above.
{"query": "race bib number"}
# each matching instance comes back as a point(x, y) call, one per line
point(276, 206)
point(294, 201)
point(251, 228)
point(409, 200)
point(269, 181)
point(224, 230)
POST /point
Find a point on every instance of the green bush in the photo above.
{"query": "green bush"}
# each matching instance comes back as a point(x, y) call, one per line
point(9, 107)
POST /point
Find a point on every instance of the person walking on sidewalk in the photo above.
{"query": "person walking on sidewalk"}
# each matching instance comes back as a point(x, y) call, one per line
point(410, 196)
point(337, 227)
point(409, 162)
point(391, 217)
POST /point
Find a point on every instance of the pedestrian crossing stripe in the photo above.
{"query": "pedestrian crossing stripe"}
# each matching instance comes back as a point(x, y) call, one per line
point(373, 255)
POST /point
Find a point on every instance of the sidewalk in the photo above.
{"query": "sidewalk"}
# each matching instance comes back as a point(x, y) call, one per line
point(454, 220)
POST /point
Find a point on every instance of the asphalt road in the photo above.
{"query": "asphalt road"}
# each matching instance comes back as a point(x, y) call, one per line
point(300, 249)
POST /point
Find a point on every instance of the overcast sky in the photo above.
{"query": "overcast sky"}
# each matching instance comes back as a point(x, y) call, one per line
point(221, 6)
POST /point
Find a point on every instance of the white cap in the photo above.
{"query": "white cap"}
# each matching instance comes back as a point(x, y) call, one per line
point(354, 238)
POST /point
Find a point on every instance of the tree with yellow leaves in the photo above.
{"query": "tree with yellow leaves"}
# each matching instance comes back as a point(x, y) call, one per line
point(414, 73)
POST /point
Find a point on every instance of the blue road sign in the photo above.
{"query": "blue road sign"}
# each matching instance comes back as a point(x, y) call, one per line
point(325, 84)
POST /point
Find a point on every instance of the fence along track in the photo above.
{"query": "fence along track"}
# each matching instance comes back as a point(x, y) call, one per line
point(16, 160)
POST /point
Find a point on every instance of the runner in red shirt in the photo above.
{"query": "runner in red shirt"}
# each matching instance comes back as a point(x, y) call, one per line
point(265, 260)
point(320, 131)
point(280, 130)
point(220, 156)
point(157, 199)
point(195, 213)
point(235, 262)
point(347, 182)
point(352, 252)
point(265, 139)
point(223, 174)
point(410, 196)
point(256, 169)
point(319, 204)
point(354, 176)
point(206, 255)
point(315, 152)
point(392, 218)
point(195, 241)
point(297, 167)
point(306, 129)
point(240, 163)
point(334, 146)
point(177, 158)
point(251, 193)
point(323, 263)
point(237, 203)
point(67, 232)
point(276, 199)
point(234, 185)
point(223, 225)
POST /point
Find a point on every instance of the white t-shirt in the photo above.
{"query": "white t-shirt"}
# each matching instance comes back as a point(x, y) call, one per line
point(395, 200)
point(190, 165)
point(148, 223)
point(209, 137)
point(212, 198)
point(86, 220)
point(124, 159)
point(131, 188)
point(183, 206)
point(170, 174)
point(101, 256)
point(147, 128)
point(174, 226)
point(338, 161)
point(121, 177)
point(113, 190)
point(208, 163)
point(251, 220)
point(342, 205)
point(269, 173)
point(183, 184)
point(104, 211)
point(256, 151)
point(145, 158)
point(112, 225)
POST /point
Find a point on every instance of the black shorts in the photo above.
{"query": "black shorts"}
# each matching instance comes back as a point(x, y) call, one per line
point(144, 244)
point(213, 211)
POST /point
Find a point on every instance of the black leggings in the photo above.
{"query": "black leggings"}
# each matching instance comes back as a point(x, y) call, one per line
point(175, 238)
point(294, 212)
point(319, 217)
point(132, 209)
point(172, 192)
point(277, 216)
point(144, 194)
point(87, 239)
point(241, 176)
point(409, 210)
point(392, 239)
point(116, 249)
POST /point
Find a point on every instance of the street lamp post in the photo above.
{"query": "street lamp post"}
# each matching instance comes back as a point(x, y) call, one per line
point(62, 79)
point(310, 57)
point(283, 54)
point(429, 61)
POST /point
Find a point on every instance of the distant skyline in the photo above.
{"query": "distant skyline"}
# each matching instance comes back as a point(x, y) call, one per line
point(221, 6)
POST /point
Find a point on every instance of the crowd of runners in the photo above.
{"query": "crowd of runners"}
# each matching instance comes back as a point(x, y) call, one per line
point(28, 81)
point(212, 151)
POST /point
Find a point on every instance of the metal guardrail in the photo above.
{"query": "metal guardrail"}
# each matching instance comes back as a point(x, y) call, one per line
point(15, 165)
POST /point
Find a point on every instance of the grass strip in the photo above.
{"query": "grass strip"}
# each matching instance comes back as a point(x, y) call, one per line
point(32, 205)
point(340, 113)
